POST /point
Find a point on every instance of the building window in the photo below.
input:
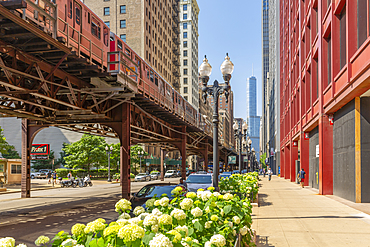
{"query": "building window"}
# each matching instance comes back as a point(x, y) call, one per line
point(122, 9)
point(185, 53)
point(185, 81)
point(106, 11)
point(185, 35)
point(185, 16)
point(123, 37)
point(185, 25)
point(343, 37)
point(185, 7)
point(186, 90)
point(329, 60)
point(185, 71)
point(1, 167)
point(107, 23)
point(123, 23)
point(16, 169)
point(185, 62)
point(185, 44)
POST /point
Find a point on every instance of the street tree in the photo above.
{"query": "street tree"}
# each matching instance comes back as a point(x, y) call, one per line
point(262, 160)
point(4, 145)
point(134, 156)
point(11, 153)
point(88, 151)
point(115, 157)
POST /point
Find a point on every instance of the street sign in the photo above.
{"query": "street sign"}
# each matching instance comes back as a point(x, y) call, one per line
point(245, 159)
point(40, 149)
point(232, 159)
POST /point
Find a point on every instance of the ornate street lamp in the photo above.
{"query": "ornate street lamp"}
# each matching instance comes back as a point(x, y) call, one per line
point(240, 132)
point(215, 90)
point(253, 159)
point(140, 154)
point(249, 143)
point(109, 152)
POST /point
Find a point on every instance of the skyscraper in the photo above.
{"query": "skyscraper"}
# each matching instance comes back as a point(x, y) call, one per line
point(252, 119)
point(189, 12)
point(265, 69)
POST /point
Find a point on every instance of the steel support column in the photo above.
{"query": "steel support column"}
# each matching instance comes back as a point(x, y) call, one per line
point(325, 156)
point(183, 153)
point(28, 134)
point(125, 151)
point(162, 164)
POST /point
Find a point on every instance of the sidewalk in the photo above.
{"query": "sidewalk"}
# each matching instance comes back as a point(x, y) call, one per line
point(291, 216)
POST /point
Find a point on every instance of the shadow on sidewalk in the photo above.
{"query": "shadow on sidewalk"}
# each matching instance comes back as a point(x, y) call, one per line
point(310, 217)
point(262, 200)
point(263, 241)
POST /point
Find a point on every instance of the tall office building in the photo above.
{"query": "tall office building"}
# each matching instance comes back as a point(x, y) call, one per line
point(270, 136)
point(265, 69)
point(253, 120)
point(150, 28)
point(189, 12)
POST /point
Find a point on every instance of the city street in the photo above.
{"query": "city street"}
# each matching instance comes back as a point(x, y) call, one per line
point(50, 211)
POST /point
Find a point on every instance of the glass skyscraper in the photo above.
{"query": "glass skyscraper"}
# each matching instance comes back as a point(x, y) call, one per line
point(252, 119)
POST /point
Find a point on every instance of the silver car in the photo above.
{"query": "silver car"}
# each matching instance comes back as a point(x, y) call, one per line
point(199, 181)
point(142, 177)
point(155, 175)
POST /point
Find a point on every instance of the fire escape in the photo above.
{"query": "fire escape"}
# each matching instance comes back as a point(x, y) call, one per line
point(176, 45)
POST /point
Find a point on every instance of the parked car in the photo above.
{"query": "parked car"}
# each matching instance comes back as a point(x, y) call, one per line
point(151, 190)
point(38, 175)
point(224, 175)
point(244, 171)
point(142, 177)
point(235, 171)
point(155, 175)
point(178, 174)
point(199, 181)
point(170, 174)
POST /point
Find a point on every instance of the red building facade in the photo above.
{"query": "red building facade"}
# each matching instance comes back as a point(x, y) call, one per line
point(324, 98)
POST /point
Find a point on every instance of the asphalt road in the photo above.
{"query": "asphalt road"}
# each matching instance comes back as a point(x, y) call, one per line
point(54, 210)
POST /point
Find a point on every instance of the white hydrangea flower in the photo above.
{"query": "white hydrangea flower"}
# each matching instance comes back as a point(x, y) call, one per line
point(123, 205)
point(69, 242)
point(139, 210)
point(207, 244)
point(230, 224)
point(164, 201)
point(150, 220)
point(193, 221)
point(160, 240)
point(196, 212)
point(218, 240)
point(124, 216)
point(216, 194)
point(196, 241)
point(208, 224)
point(42, 240)
point(122, 222)
point(156, 212)
point(178, 214)
point(7, 242)
point(243, 230)
point(131, 232)
point(165, 219)
point(155, 228)
point(135, 220)
point(19, 245)
point(186, 204)
point(207, 210)
point(236, 220)
point(182, 228)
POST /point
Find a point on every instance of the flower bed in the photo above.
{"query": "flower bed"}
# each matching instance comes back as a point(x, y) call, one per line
point(244, 185)
point(205, 218)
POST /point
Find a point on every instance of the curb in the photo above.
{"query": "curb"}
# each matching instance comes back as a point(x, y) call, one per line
point(35, 189)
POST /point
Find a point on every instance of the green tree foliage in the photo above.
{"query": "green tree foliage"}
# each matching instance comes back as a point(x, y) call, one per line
point(262, 160)
point(60, 161)
point(134, 157)
point(4, 145)
point(11, 153)
point(44, 163)
point(115, 157)
point(88, 151)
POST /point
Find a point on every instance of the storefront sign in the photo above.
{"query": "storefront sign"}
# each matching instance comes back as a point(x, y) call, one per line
point(40, 149)
point(232, 159)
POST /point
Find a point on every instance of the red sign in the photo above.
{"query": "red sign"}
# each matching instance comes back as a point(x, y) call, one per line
point(40, 149)
point(295, 143)
point(306, 135)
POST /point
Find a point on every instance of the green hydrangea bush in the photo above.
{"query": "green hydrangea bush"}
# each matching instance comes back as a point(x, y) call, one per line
point(205, 218)
point(244, 185)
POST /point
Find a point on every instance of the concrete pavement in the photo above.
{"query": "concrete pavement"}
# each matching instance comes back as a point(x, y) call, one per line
point(291, 216)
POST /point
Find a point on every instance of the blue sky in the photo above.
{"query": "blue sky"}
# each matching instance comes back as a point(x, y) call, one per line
point(233, 26)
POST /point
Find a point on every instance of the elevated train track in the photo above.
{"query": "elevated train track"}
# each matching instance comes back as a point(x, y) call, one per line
point(48, 78)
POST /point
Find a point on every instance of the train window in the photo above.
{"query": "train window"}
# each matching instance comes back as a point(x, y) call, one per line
point(156, 80)
point(95, 28)
point(78, 15)
point(88, 17)
point(152, 75)
point(128, 52)
point(105, 36)
point(137, 61)
point(119, 45)
point(147, 74)
point(70, 9)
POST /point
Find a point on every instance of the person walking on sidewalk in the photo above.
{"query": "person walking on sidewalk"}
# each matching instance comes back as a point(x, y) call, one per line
point(269, 172)
point(301, 175)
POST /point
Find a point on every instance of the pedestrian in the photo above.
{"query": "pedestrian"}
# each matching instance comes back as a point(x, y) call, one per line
point(264, 172)
point(269, 172)
point(69, 176)
point(301, 175)
point(49, 176)
point(54, 178)
point(183, 183)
